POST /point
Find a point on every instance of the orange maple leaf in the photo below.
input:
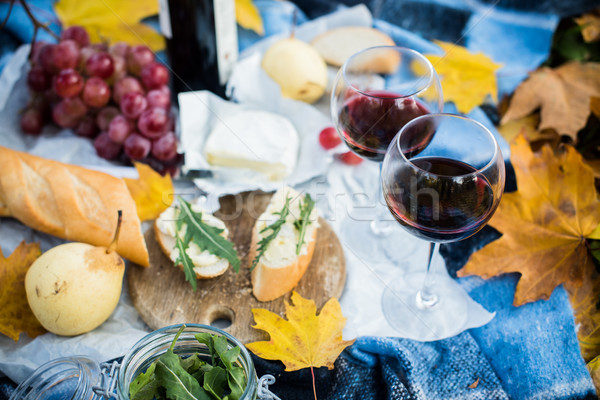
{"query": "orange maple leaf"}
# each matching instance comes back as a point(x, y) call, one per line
point(305, 339)
point(151, 192)
point(15, 314)
point(544, 224)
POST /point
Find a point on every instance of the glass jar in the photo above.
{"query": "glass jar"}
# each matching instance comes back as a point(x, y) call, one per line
point(82, 378)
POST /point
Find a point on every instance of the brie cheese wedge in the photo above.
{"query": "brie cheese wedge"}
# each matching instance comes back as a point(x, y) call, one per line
point(257, 140)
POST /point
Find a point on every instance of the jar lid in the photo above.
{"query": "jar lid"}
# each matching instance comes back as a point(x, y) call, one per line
point(63, 378)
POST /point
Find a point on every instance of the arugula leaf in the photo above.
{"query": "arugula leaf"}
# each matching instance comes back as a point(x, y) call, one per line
point(304, 221)
point(192, 363)
point(236, 378)
point(145, 385)
point(275, 227)
point(206, 237)
point(214, 381)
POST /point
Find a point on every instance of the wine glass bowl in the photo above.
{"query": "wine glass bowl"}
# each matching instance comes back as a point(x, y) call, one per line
point(377, 91)
point(442, 179)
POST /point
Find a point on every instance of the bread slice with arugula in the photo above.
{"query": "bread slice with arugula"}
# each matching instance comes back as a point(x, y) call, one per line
point(283, 242)
point(196, 241)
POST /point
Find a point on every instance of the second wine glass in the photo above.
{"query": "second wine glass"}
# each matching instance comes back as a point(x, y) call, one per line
point(376, 92)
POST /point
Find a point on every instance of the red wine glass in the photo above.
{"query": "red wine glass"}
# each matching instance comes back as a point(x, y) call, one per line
point(442, 179)
point(376, 92)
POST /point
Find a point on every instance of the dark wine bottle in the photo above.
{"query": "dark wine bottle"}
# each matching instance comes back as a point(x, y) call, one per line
point(202, 43)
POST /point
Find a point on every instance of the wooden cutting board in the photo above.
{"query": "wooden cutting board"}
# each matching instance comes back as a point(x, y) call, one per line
point(163, 297)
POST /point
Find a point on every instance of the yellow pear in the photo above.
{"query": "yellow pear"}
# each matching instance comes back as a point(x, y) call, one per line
point(298, 68)
point(74, 287)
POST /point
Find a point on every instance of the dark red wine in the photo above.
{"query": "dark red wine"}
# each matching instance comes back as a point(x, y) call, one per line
point(443, 207)
point(370, 121)
point(202, 43)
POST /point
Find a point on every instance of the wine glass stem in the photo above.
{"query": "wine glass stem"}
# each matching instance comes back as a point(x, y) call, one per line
point(426, 298)
point(381, 225)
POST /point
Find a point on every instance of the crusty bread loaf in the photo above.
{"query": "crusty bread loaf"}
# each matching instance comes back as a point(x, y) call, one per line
point(279, 272)
point(167, 244)
point(270, 282)
point(338, 44)
point(70, 202)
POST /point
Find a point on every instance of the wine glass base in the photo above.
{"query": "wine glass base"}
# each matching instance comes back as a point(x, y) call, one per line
point(445, 318)
point(386, 245)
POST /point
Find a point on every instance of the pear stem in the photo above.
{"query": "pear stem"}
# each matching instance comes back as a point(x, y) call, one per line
point(113, 245)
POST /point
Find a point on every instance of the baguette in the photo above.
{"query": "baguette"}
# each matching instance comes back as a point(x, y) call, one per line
point(337, 45)
point(206, 265)
point(280, 269)
point(70, 202)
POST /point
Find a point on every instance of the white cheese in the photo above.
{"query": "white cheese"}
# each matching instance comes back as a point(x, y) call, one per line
point(257, 140)
point(200, 258)
point(281, 251)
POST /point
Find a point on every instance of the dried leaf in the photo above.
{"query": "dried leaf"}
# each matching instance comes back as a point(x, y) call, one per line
point(15, 314)
point(594, 369)
point(248, 17)
point(304, 339)
point(584, 300)
point(474, 384)
point(544, 224)
point(526, 126)
point(590, 26)
point(151, 192)
point(563, 94)
point(112, 20)
point(467, 78)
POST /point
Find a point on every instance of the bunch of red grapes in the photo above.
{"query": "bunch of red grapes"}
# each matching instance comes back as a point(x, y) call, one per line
point(117, 95)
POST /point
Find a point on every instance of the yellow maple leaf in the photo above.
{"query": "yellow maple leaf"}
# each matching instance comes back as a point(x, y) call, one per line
point(112, 20)
point(248, 17)
point(15, 314)
point(543, 224)
point(304, 339)
point(564, 96)
point(527, 126)
point(151, 192)
point(467, 78)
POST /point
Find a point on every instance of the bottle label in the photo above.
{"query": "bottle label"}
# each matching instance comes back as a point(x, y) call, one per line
point(164, 18)
point(226, 37)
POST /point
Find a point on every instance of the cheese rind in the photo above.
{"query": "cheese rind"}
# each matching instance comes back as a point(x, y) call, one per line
point(257, 140)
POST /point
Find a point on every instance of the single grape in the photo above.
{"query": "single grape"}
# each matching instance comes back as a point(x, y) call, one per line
point(129, 84)
point(76, 33)
point(133, 104)
point(37, 79)
point(106, 115)
point(67, 83)
point(101, 65)
point(153, 122)
point(66, 54)
point(120, 68)
point(154, 75)
point(349, 158)
point(32, 121)
point(329, 138)
point(69, 112)
point(84, 55)
point(105, 147)
point(137, 58)
point(119, 128)
point(159, 98)
point(119, 49)
point(46, 59)
point(136, 146)
point(87, 127)
point(36, 47)
point(96, 92)
point(165, 147)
